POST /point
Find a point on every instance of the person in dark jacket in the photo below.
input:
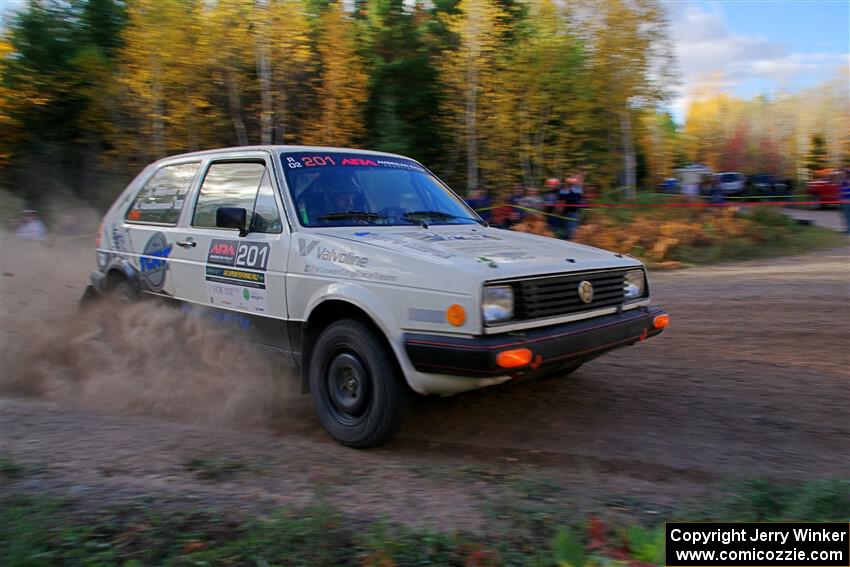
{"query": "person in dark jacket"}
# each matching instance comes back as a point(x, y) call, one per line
point(573, 198)
point(516, 214)
point(479, 199)
point(715, 193)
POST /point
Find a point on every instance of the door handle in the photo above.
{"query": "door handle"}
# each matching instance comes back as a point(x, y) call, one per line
point(188, 243)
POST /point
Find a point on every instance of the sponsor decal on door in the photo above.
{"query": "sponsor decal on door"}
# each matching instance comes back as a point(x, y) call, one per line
point(235, 274)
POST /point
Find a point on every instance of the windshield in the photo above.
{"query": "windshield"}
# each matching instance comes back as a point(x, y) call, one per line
point(729, 177)
point(348, 189)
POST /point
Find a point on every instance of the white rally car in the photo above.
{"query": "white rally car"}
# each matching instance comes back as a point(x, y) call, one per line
point(368, 274)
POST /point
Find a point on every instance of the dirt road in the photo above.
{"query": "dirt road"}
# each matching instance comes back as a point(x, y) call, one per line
point(750, 380)
point(831, 218)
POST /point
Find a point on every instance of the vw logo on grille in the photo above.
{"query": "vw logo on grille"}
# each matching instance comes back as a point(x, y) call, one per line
point(585, 291)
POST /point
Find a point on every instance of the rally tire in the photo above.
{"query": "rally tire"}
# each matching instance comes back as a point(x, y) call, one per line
point(357, 390)
point(123, 292)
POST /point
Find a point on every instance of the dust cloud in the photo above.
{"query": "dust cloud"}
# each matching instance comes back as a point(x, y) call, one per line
point(142, 359)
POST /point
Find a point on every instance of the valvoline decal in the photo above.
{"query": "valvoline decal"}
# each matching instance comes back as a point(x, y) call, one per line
point(153, 264)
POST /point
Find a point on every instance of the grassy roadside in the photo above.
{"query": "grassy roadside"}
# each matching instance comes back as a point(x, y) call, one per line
point(676, 237)
point(43, 531)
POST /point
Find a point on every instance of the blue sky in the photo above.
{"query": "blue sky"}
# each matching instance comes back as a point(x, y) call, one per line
point(749, 48)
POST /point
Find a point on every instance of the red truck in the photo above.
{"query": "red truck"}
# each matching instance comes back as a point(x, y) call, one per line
point(826, 188)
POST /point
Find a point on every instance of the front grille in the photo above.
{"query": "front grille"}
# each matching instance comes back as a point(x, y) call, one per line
point(554, 296)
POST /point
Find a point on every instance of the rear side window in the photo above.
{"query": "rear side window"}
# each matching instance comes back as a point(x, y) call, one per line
point(238, 184)
point(161, 199)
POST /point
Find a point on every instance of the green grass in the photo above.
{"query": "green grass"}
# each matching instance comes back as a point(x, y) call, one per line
point(11, 469)
point(42, 531)
point(778, 242)
point(214, 468)
point(762, 500)
point(780, 235)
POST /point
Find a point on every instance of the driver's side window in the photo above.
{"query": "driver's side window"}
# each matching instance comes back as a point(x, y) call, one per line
point(241, 184)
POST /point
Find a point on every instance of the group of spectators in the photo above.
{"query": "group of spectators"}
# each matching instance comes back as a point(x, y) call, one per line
point(557, 210)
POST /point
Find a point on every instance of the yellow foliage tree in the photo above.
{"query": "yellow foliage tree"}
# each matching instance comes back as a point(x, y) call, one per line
point(538, 110)
point(280, 50)
point(468, 74)
point(660, 143)
point(768, 135)
point(162, 78)
point(8, 126)
point(343, 88)
point(631, 57)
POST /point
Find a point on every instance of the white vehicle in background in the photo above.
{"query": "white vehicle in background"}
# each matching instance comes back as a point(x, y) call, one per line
point(691, 177)
point(367, 273)
point(732, 182)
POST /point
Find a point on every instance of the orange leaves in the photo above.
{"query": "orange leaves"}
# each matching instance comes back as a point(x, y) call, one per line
point(655, 235)
point(193, 546)
point(534, 224)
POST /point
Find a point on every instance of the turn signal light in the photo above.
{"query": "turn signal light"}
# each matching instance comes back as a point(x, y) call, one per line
point(514, 358)
point(661, 321)
point(456, 315)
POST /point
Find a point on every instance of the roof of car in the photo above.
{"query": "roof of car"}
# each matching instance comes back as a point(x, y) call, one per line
point(278, 148)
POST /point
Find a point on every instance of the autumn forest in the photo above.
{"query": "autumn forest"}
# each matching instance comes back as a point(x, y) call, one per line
point(485, 92)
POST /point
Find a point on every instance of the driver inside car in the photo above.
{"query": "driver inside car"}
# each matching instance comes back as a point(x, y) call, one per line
point(342, 200)
point(331, 192)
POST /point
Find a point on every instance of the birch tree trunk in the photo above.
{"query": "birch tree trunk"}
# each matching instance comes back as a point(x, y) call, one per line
point(471, 134)
point(280, 114)
point(236, 108)
point(158, 116)
point(266, 111)
point(629, 160)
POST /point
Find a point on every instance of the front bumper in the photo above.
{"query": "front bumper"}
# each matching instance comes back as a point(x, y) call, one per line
point(550, 345)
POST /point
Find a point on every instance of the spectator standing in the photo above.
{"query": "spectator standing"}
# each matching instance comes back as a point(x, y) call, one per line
point(552, 204)
point(516, 214)
point(715, 193)
point(479, 200)
point(31, 227)
point(573, 199)
point(532, 202)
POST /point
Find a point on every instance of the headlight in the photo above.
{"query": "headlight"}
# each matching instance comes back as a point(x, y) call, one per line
point(497, 303)
point(635, 284)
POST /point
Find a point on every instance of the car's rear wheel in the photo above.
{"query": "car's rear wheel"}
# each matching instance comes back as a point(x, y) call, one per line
point(122, 291)
point(356, 388)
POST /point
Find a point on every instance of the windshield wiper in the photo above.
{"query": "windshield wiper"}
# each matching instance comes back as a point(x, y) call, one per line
point(356, 215)
point(367, 216)
point(440, 215)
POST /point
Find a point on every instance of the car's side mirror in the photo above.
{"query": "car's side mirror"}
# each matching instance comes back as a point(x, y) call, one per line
point(232, 217)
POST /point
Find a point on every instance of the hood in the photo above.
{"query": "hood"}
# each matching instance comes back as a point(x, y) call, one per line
point(490, 252)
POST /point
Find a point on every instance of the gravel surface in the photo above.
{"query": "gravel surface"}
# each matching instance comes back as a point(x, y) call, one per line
point(750, 380)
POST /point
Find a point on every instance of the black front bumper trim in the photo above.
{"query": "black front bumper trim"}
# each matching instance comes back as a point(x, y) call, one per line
point(551, 345)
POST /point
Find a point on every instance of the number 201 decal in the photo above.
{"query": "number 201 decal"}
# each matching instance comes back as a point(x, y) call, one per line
point(254, 255)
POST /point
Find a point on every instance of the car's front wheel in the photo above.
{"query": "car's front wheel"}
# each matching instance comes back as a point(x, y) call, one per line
point(355, 385)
